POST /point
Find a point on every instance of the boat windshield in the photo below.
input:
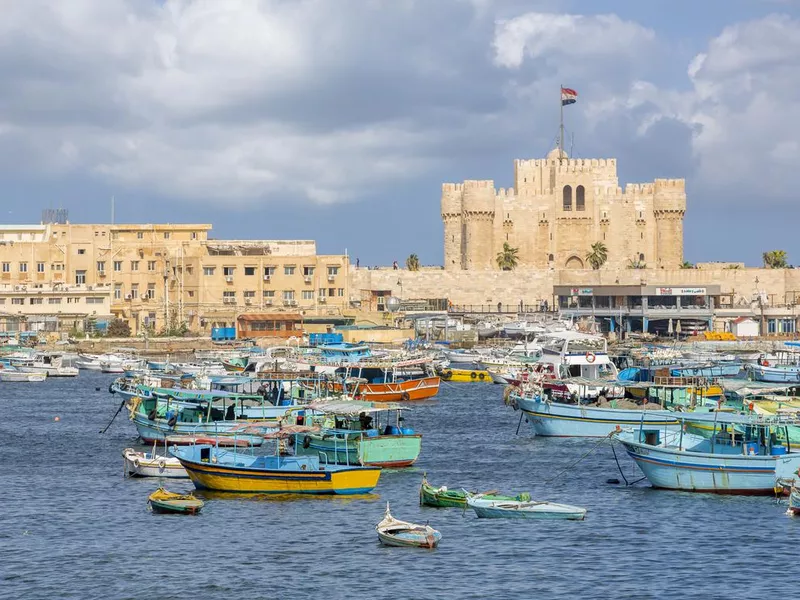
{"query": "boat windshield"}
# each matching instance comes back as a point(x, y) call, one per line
point(586, 345)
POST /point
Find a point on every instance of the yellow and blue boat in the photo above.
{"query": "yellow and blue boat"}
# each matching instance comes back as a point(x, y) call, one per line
point(223, 470)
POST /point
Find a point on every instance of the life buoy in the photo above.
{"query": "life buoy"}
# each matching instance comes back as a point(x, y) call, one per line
point(172, 420)
point(766, 362)
point(404, 397)
point(162, 464)
point(447, 375)
point(111, 389)
point(473, 375)
point(481, 376)
point(306, 442)
point(136, 463)
point(590, 357)
point(152, 414)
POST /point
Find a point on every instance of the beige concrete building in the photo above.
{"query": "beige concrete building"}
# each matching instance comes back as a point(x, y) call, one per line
point(158, 276)
point(556, 210)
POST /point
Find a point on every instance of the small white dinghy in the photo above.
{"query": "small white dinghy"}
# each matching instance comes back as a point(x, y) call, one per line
point(149, 464)
point(505, 509)
point(393, 532)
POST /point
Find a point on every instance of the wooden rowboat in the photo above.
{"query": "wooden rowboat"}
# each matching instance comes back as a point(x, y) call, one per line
point(163, 501)
point(443, 497)
point(393, 532)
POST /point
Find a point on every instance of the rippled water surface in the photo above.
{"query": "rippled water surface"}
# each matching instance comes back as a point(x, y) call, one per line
point(72, 527)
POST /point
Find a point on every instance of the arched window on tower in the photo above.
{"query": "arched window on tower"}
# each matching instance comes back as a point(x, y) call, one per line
point(567, 197)
point(550, 258)
point(580, 198)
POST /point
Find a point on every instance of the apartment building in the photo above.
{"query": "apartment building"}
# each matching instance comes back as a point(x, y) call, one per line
point(159, 276)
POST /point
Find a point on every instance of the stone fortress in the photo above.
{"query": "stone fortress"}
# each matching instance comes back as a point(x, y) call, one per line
point(556, 210)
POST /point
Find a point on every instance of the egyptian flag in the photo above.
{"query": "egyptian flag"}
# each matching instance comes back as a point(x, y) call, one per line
point(568, 96)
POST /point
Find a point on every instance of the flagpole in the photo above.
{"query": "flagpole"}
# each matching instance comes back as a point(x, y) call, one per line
point(561, 129)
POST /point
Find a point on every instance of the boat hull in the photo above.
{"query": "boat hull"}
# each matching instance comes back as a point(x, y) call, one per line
point(21, 377)
point(526, 510)
point(410, 539)
point(144, 465)
point(187, 433)
point(466, 376)
point(667, 468)
point(401, 391)
point(553, 419)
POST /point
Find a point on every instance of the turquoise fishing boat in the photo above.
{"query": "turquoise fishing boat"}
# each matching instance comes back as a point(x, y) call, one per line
point(359, 433)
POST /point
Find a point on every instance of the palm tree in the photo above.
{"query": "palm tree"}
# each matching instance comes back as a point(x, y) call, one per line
point(775, 259)
point(412, 262)
point(687, 265)
point(598, 256)
point(636, 264)
point(507, 259)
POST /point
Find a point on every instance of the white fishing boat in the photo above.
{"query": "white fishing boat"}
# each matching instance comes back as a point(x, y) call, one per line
point(488, 508)
point(15, 376)
point(150, 464)
point(52, 363)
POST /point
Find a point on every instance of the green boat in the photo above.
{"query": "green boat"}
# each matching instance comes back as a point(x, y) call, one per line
point(163, 501)
point(370, 434)
point(442, 497)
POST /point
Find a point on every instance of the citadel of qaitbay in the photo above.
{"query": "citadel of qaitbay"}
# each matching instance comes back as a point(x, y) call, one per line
point(556, 210)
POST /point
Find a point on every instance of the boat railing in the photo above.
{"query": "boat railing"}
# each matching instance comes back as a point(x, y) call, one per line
point(688, 381)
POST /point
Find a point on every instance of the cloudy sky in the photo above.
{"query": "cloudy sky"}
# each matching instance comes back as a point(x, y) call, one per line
point(338, 120)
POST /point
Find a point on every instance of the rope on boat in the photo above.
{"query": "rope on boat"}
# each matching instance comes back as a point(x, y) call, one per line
point(121, 404)
point(619, 467)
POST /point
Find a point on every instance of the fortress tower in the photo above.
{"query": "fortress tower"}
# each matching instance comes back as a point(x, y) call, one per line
point(556, 210)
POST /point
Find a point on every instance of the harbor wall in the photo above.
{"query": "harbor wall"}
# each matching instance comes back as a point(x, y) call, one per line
point(777, 287)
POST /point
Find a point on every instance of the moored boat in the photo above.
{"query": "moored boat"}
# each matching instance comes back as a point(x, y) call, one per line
point(509, 509)
point(393, 532)
point(466, 375)
point(215, 468)
point(442, 497)
point(15, 376)
point(744, 454)
point(149, 464)
point(163, 501)
point(794, 501)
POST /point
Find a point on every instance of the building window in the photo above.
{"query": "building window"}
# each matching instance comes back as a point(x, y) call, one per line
point(269, 293)
point(191, 293)
point(331, 292)
point(567, 197)
point(288, 270)
point(151, 265)
point(134, 291)
point(101, 266)
point(40, 267)
point(308, 294)
point(117, 291)
point(772, 326)
point(94, 300)
point(166, 235)
point(340, 292)
point(36, 300)
point(18, 301)
point(208, 271)
point(23, 267)
point(641, 257)
point(229, 295)
point(189, 269)
point(228, 271)
point(117, 265)
point(269, 271)
point(139, 235)
point(288, 294)
point(134, 265)
point(194, 235)
point(151, 290)
point(54, 300)
point(332, 271)
point(57, 266)
point(81, 250)
point(580, 198)
point(550, 258)
point(6, 267)
point(308, 271)
point(80, 277)
point(248, 271)
point(249, 294)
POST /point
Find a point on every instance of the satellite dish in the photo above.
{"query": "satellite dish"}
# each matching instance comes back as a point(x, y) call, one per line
point(393, 304)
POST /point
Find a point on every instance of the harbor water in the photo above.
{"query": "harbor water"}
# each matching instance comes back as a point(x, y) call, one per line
point(71, 526)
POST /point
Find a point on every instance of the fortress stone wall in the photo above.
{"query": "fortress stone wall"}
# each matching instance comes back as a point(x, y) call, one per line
point(556, 210)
